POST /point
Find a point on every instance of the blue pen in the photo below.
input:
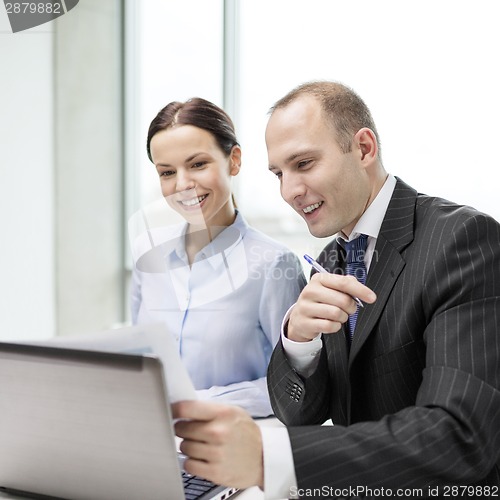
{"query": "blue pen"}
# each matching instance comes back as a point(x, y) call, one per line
point(321, 269)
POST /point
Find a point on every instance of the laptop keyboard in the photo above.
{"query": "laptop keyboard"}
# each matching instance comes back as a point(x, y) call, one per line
point(195, 487)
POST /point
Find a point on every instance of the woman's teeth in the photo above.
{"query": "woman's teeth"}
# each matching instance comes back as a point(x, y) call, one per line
point(193, 201)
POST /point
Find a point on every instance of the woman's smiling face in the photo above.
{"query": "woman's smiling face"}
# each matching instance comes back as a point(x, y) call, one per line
point(195, 174)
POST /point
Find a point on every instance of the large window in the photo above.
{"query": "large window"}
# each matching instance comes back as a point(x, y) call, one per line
point(174, 51)
point(426, 69)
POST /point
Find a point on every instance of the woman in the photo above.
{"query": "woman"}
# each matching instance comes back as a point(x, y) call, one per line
point(222, 287)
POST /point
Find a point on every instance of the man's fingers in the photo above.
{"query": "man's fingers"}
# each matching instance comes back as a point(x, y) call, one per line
point(191, 429)
point(194, 419)
point(222, 443)
point(199, 450)
point(194, 410)
point(346, 284)
point(331, 313)
point(201, 468)
point(204, 421)
point(303, 327)
point(325, 304)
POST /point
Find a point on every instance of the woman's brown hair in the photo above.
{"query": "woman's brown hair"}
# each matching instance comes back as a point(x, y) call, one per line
point(199, 113)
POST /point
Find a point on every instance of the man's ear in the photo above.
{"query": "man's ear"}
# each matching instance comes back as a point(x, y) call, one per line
point(235, 160)
point(366, 142)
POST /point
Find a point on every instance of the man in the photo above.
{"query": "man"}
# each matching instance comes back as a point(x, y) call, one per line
point(411, 380)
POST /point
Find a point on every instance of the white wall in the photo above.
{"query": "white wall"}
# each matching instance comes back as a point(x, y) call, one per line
point(61, 182)
point(27, 302)
point(89, 167)
point(173, 64)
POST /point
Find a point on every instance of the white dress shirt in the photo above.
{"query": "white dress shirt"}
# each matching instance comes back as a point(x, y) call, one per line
point(304, 356)
point(224, 310)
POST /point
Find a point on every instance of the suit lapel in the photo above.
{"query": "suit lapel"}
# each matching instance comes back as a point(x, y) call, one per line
point(332, 258)
point(336, 344)
point(387, 263)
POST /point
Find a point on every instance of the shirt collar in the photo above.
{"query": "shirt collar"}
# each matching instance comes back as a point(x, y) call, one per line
point(224, 242)
point(371, 220)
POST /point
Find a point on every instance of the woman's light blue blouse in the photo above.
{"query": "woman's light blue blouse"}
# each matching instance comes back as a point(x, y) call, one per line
point(225, 311)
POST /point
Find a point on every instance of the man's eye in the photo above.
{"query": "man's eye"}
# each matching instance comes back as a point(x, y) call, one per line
point(303, 163)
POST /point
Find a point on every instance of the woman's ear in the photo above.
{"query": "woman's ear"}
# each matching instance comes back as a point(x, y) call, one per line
point(366, 142)
point(235, 160)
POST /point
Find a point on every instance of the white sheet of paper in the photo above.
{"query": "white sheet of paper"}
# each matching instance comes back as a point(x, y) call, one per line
point(155, 340)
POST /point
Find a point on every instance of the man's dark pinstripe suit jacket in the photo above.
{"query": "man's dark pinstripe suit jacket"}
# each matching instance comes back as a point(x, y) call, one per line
point(416, 401)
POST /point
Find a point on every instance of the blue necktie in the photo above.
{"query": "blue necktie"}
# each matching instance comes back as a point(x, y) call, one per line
point(355, 259)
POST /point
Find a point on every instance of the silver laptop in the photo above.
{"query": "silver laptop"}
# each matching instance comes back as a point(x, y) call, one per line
point(79, 424)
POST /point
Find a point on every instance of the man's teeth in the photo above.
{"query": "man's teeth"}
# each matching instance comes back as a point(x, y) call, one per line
point(193, 201)
point(310, 208)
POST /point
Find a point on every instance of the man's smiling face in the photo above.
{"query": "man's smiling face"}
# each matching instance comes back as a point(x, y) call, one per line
point(327, 187)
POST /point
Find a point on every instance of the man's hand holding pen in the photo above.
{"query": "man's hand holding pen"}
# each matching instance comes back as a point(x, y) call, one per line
point(325, 304)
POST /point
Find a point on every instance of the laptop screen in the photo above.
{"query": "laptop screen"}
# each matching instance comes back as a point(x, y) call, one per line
point(85, 424)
